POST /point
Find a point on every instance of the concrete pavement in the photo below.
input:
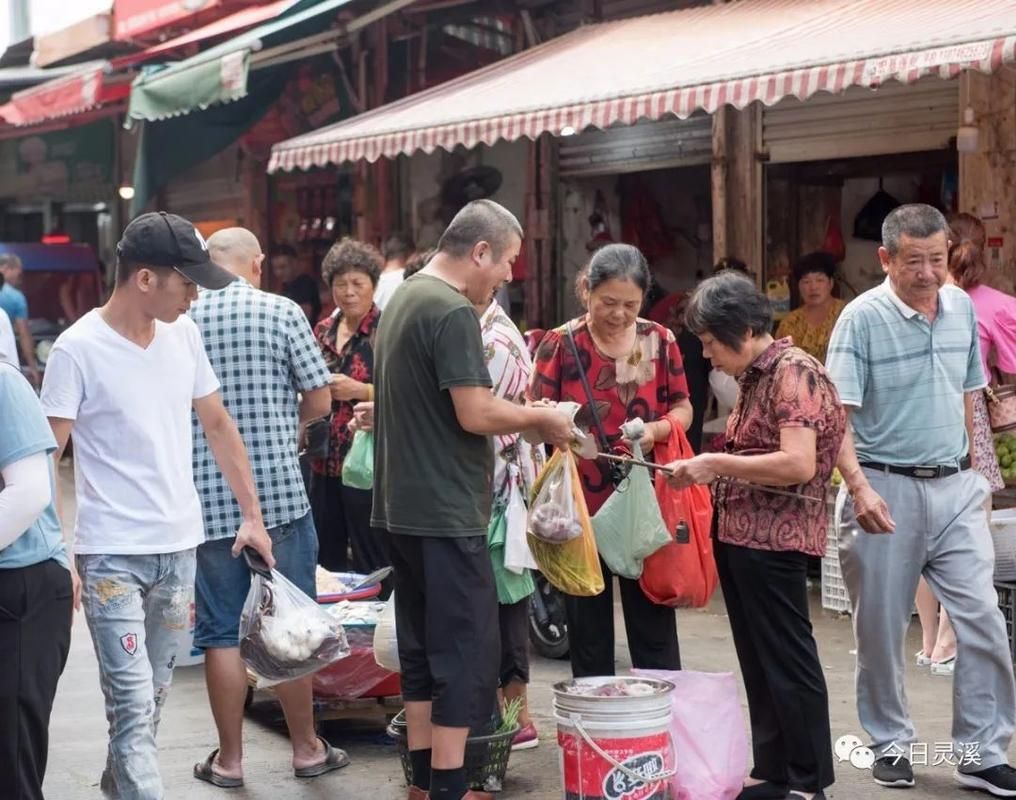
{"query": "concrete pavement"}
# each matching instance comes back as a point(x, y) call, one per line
point(78, 728)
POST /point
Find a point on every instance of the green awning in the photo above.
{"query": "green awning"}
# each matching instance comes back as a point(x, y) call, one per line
point(220, 74)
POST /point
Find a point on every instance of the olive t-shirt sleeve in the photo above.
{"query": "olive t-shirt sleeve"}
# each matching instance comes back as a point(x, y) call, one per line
point(458, 350)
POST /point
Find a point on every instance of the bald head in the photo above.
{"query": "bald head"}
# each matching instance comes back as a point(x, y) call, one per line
point(238, 250)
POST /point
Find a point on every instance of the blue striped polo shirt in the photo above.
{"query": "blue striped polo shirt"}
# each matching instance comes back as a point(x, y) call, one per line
point(905, 377)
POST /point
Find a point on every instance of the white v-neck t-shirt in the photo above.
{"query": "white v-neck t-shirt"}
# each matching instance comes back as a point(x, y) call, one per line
point(132, 436)
point(386, 286)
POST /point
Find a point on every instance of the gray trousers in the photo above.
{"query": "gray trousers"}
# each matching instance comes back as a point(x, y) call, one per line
point(942, 533)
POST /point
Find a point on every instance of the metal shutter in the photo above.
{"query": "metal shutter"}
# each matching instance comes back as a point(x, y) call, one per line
point(639, 147)
point(895, 118)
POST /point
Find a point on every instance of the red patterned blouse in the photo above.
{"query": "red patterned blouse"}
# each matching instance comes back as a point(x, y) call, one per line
point(646, 384)
point(355, 359)
point(783, 388)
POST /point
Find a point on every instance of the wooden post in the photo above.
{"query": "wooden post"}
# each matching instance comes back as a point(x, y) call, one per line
point(737, 187)
point(988, 177)
point(719, 182)
point(540, 287)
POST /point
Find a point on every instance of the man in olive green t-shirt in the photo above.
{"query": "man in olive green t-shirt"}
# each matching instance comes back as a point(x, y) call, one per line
point(433, 416)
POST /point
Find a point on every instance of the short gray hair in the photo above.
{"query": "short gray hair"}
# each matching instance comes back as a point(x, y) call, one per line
point(728, 306)
point(9, 261)
point(916, 220)
point(479, 221)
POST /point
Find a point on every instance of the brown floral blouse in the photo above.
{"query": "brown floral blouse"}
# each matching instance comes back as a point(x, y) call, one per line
point(784, 387)
point(355, 359)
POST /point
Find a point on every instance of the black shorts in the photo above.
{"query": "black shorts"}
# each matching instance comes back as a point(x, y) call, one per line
point(514, 623)
point(447, 623)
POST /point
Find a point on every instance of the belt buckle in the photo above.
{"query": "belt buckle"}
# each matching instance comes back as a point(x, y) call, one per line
point(927, 472)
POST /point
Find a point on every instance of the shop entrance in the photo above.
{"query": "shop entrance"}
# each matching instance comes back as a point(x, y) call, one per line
point(838, 206)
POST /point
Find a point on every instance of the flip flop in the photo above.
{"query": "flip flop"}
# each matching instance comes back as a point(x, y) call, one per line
point(204, 771)
point(334, 759)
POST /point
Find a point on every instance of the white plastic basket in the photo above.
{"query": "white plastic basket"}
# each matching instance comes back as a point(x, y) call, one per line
point(1003, 536)
point(834, 590)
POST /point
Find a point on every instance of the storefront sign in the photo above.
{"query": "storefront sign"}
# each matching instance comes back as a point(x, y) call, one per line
point(309, 101)
point(878, 69)
point(49, 164)
point(233, 72)
point(134, 18)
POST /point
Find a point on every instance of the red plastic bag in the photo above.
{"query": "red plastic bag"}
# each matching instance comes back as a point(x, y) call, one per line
point(833, 242)
point(681, 574)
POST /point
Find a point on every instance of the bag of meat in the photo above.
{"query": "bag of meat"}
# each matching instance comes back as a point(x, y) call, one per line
point(560, 532)
point(284, 634)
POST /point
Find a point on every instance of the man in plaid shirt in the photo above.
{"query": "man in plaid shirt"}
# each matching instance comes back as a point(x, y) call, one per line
point(262, 350)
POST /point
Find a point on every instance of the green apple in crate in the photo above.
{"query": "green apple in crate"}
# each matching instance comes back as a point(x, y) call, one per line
point(1005, 449)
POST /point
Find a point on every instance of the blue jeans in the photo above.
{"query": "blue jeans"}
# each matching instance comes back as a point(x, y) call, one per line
point(222, 581)
point(137, 607)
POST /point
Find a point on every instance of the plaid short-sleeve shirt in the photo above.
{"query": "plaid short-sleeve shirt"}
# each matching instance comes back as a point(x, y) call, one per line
point(263, 352)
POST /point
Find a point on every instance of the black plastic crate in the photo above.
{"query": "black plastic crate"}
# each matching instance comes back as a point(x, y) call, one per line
point(1007, 602)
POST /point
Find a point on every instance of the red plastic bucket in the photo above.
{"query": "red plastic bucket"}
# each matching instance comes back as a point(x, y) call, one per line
point(616, 747)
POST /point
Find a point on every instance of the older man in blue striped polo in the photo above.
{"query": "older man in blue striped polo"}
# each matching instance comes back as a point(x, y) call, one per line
point(905, 359)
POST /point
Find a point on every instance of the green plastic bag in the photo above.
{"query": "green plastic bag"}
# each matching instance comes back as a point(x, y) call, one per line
point(629, 526)
point(358, 468)
point(511, 586)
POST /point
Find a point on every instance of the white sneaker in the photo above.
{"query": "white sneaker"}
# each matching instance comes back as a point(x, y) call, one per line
point(921, 659)
point(946, 668)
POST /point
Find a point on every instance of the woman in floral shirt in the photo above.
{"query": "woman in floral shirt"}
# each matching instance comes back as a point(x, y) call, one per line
point(769, 488)
point(341, 513)
point(634, 369)
point(516, 465)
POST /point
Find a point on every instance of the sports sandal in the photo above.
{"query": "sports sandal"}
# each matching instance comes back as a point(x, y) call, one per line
point(205, 771)
point(334, 759)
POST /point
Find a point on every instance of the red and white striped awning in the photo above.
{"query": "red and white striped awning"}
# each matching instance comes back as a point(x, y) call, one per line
point(673, 64)
point(83, 90)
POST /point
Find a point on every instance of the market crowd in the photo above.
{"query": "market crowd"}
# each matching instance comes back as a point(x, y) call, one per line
point(188, 411)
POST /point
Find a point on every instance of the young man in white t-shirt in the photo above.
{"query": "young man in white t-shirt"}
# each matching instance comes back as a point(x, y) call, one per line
point(396, 251)
point(123, 379)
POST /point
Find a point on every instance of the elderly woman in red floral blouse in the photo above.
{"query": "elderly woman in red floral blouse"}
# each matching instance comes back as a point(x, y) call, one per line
point(769, 489)
point(342, 513)
point(633, 369)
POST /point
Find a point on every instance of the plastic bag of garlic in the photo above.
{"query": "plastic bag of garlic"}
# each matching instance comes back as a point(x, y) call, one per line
point(284, 634)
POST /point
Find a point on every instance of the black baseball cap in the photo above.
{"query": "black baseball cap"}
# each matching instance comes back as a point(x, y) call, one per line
point(161, 239)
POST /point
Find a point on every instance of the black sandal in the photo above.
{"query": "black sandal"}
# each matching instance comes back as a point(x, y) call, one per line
point(205, 771)
point(334, 759)
point(767, 790)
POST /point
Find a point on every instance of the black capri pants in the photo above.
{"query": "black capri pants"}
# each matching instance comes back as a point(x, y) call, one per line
point(446, 614)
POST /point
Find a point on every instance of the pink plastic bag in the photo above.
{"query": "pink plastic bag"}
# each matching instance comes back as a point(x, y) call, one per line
point(709, 732)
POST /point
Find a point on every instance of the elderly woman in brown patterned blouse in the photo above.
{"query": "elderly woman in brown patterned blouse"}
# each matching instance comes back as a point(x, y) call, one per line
point(769, 491)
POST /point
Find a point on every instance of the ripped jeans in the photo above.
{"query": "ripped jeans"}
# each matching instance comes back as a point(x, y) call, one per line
point(137, 607)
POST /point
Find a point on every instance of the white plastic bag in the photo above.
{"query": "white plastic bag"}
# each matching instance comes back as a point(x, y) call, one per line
point(284, 634)
point(553, 515)
point(386, 641)
point(725, 389)
point(517, 555)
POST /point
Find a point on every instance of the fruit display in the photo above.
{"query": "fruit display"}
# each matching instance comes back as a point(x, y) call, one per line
point(1005, 449)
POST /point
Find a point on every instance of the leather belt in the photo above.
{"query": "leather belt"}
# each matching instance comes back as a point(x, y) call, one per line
point(923, 472)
